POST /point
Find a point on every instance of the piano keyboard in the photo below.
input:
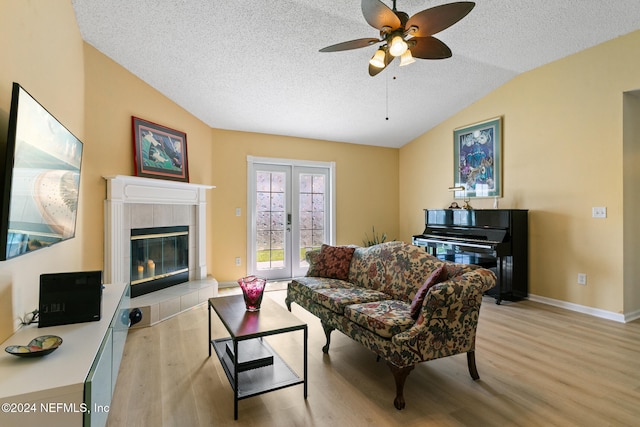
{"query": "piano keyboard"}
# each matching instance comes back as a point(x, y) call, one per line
point(474, 243)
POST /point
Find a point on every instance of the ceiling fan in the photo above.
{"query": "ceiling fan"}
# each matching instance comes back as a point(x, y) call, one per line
point(405, 37)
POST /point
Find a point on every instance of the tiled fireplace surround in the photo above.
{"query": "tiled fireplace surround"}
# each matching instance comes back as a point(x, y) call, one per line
point(134, 202)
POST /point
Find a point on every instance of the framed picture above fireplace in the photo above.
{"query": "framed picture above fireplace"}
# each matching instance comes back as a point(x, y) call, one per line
point(159, 151)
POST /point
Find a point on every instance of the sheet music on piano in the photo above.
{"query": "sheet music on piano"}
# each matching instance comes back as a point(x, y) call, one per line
point(492, 238)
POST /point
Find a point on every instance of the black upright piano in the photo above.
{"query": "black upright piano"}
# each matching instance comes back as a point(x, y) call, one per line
point(496, 239)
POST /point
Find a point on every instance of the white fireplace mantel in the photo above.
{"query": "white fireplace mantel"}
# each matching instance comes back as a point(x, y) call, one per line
point(132, 190)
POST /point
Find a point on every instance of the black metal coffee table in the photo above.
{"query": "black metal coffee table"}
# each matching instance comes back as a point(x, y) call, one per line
point(251, 365)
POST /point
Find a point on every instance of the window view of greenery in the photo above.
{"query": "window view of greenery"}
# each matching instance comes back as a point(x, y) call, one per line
point(271, 217)
point(312, 214)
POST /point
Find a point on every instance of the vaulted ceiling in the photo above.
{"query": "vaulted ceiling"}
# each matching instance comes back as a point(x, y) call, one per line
point(255, 66)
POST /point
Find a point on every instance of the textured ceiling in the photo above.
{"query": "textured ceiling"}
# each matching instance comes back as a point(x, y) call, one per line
point(254, 66)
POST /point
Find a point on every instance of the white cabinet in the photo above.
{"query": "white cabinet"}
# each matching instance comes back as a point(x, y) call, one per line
point(73, 385)
point(119, 331)
point(99, 384)
point(101, 380)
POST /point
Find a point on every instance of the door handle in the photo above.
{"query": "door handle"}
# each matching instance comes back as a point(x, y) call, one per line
point(288, 222)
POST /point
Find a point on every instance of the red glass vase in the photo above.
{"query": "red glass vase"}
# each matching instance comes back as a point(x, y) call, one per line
point(252, 290)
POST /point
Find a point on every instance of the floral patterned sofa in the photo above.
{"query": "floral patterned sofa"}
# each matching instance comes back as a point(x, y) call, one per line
point(397, 300)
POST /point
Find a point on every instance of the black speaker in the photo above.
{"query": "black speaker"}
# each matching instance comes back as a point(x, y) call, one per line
point(135, 316)
point(70, 298)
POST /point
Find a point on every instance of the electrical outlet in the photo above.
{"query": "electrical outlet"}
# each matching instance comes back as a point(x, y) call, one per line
point(582, 279)
point(599, 212)
point(238, 212)
point(238, 261)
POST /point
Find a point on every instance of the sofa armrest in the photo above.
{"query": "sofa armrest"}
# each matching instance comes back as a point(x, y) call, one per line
point(456, 269)
point(448, 319)
point(311, 257)
point(481, 278)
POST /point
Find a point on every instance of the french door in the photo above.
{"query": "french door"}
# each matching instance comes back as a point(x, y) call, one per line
point(291, 211)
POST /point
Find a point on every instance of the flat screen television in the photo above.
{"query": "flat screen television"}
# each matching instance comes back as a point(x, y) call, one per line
point(41, 179)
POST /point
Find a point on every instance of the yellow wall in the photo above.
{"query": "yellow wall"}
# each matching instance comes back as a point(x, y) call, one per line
point(562, 151)
point(114, 95)
point(42, 50)
point(366, 190)
point(631, 188)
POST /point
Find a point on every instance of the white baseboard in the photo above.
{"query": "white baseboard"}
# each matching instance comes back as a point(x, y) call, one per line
point(630, 317)
point(622, 318)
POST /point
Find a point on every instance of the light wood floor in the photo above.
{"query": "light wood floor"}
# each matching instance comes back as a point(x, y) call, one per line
point(538, 365)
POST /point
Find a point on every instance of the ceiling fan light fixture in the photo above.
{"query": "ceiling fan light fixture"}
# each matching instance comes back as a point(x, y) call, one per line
point(406, 58)
point(378, 59)
point(400, 33)
point(398, 46)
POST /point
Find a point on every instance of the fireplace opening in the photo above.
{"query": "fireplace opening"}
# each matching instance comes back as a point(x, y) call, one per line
point(159, 258)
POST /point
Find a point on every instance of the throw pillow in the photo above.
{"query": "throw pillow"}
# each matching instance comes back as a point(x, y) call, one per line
point(438, 275)
point(332, 262)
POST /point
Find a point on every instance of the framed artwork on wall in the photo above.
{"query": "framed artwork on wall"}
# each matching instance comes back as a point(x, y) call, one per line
point(159, 152)
point(478, 159)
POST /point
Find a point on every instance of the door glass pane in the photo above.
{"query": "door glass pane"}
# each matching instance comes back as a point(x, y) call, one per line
point(311, 214)
point(263, 181)
point(270, 219)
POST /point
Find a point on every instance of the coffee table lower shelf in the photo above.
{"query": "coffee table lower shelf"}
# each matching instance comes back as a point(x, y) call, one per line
point(252, 382)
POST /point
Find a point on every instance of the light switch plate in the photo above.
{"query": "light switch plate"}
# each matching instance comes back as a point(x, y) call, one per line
point(599, 212)
point(582, 279)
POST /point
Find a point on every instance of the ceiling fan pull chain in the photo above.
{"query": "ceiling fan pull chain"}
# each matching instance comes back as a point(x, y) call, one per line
point(387, 93)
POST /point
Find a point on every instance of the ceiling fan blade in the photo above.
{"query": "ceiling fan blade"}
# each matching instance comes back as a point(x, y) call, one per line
point(429, 48)
point(352, 44)
point(433, 20)
point(388, 59)
point(378, 15)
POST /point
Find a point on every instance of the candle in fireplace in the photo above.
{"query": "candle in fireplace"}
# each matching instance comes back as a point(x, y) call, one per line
point(140, 272)
point(151, 267)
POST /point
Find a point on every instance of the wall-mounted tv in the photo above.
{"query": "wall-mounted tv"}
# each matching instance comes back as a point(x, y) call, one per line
point(41, 179)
